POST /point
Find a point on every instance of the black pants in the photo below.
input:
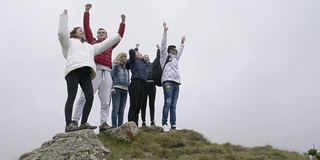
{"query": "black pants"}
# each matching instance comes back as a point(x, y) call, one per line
point(136, 93)
point(151, 92)
point(79, 76)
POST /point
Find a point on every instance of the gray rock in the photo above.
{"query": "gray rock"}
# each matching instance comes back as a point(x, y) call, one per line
point(77, 145)
point(126, 132)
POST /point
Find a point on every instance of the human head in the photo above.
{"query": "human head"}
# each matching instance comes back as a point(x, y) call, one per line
point(146, 58)
point(102, 33)
point(172, 49)
point(77, 32)
point(121, 58)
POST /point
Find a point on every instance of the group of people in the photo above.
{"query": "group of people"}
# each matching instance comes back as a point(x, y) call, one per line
point(88, 63)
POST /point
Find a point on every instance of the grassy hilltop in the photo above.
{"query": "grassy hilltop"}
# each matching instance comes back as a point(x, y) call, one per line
point(188, 145)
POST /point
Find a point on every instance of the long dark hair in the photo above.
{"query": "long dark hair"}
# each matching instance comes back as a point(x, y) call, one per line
point(74, 32)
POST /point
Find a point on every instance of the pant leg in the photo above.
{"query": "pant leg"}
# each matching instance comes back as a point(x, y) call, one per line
point(86, 85)
point(122, 106)
point(96, 82)
point(144, 105)
point(142, 86)
point(115, 107)
point(72, 87)
point(105, 96)
point(167, 91)
point(173, 106)
point(134, 93)
point(152, 97)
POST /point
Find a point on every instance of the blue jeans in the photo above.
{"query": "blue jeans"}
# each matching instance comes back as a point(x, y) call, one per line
point(171, 94)
point(119, 101)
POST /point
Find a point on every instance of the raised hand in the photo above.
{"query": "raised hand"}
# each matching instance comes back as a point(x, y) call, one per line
point(137, 45)
point(65, 12)
point(158, 46)
point(165, 27)
point(183, 39)
point(123, 18)
point(88, 7)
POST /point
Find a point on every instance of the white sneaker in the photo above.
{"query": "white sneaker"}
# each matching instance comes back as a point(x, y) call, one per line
point(165, 128)
point(174, 127)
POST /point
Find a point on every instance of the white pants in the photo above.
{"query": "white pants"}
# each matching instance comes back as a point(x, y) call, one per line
point(103, 83)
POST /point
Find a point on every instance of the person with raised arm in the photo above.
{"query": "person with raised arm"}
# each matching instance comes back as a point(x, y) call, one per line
point(137, 66)
point(150, 90)
point(170, 79)
point(103, 81)
point(80, 68)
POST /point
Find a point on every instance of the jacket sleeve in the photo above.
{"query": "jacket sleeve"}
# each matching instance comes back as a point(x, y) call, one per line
point(104, 45)
point(63, 34)
point(180, 49)
point(132, 56)
point(157, 57)
point(87, 30)
point(120, 32)
point(127, 65)
point(163, 49)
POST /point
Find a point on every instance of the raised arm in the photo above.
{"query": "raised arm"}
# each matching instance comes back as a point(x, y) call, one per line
point(86, 25)
point(158, 54)
point(63, 34)
point(121, 28)
point(163, 50)
point(132, 55)
point(180, 49)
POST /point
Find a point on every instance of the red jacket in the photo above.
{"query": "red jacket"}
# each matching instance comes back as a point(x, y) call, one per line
point(105, 57)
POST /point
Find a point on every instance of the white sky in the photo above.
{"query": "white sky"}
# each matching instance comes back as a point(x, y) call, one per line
point(250, 68)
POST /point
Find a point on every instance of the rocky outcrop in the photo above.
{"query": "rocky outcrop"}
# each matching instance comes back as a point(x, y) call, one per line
point(126, 132)
point(77, 145)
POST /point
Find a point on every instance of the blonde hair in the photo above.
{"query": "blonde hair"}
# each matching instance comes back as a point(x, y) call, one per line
point(117, 59)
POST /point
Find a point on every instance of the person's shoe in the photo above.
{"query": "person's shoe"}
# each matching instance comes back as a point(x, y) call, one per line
point(165, 128)
point(87, 126)
point(174, 127)
point(73, 126)
point(104, 126)
point(144, 124)
point(152, 124)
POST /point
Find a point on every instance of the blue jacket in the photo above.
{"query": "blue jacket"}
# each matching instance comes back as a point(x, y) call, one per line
point(137, 66)
point(151, 65)
point(120, 75)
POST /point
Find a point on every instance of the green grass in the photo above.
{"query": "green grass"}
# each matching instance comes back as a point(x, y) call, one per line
point(188, 145)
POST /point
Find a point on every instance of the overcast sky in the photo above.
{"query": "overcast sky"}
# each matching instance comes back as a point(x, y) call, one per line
point(250, 68)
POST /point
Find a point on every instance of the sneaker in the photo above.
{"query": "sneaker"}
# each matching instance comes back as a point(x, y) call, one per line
point(144, 124)
point(152, 124)
point(104, 126)
point(87, 126)
point(73, 126)
point(174, 127)
point(165, 128)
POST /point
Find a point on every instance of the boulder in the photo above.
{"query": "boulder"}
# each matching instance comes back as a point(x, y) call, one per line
point(126, 132)
point(77, 145)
